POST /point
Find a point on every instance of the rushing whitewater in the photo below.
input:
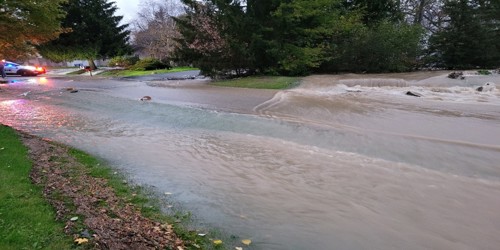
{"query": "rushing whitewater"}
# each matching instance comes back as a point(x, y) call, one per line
point(340, 162)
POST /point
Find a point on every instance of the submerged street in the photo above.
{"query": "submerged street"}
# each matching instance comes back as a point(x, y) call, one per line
point(340, 162)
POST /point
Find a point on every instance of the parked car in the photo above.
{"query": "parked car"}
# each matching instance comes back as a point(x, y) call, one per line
point(12, 68)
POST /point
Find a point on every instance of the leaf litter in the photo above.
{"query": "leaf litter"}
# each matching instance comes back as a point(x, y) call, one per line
point(113, 222)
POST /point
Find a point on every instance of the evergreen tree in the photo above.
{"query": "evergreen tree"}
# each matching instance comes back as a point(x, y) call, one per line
point(470, 38)
point(296, 37)
point(263, 25)
point(304, 31)
point(375, 11)
point(95, 33)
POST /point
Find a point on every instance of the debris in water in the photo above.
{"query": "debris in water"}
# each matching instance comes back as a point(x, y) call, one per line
point(247, 242)
point(410, 93)
point(146, 98)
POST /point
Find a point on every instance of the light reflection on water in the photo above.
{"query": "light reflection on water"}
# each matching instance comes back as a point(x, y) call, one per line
point(352, 172)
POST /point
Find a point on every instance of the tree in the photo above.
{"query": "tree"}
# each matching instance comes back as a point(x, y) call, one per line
point(24, 24)
point(95, 33)
point(470, 37)
point(297, 37)
point(427, 13)
point(375, 11)
point(155, 30)
point(215, 37)
point(385, 47)
point(304, 30)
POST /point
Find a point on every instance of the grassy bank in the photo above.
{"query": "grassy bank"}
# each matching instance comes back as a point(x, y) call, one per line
point(260, 82)
point(77, 197)
point(127, 72)
point(26, 218)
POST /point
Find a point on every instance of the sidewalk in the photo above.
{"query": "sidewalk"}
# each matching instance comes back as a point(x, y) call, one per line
point(65, 71)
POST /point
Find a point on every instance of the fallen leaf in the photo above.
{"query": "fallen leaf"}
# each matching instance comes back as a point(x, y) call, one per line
point(218, 242)
point(238, 248)
point(246, 242)
point(202, 235)
point(80, 241)
point(74, 219)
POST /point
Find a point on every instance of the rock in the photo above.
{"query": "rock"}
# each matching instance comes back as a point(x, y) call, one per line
point(489, 86)
point(146, 98)
point(455, 75)
point(415, 94)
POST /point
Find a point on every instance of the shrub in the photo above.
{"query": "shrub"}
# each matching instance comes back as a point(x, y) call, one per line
point(123, 61)
point(484, 72)
point(150, 64)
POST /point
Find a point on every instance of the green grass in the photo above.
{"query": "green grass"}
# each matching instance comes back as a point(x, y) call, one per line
point(147, 202)
point(27, 221)
point(126, 72)
point(260, 82)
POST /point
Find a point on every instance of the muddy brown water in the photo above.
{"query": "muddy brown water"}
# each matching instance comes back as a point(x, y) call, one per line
point(341, 162)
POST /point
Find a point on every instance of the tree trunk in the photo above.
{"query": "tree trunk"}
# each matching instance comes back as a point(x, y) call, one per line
point(92, 64)
point(419, 15)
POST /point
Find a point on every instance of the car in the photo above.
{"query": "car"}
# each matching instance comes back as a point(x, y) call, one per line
point(12, 68)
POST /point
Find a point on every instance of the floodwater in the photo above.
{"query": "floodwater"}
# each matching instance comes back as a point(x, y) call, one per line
point(341, 162)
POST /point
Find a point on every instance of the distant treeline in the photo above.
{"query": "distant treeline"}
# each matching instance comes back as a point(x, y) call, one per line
point(298, 37)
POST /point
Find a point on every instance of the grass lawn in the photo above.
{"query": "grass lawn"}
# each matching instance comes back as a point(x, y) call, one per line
point(126, 72)
point(260, 82)
point(26, 219)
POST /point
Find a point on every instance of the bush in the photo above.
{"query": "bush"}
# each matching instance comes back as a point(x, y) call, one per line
point(123, 61)
point(484, 72)
point(150, 64)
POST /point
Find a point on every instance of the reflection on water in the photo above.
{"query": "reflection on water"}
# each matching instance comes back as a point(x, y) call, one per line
point(326, 166)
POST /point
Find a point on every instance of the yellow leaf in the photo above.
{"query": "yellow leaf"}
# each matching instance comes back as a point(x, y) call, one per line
point(217, 242)
point(81, 240)
point(246, 242)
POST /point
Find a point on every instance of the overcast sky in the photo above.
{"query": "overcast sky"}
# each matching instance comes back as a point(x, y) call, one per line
point(128, 9)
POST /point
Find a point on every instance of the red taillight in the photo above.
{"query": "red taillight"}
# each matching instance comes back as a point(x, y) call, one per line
point(40, 69)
